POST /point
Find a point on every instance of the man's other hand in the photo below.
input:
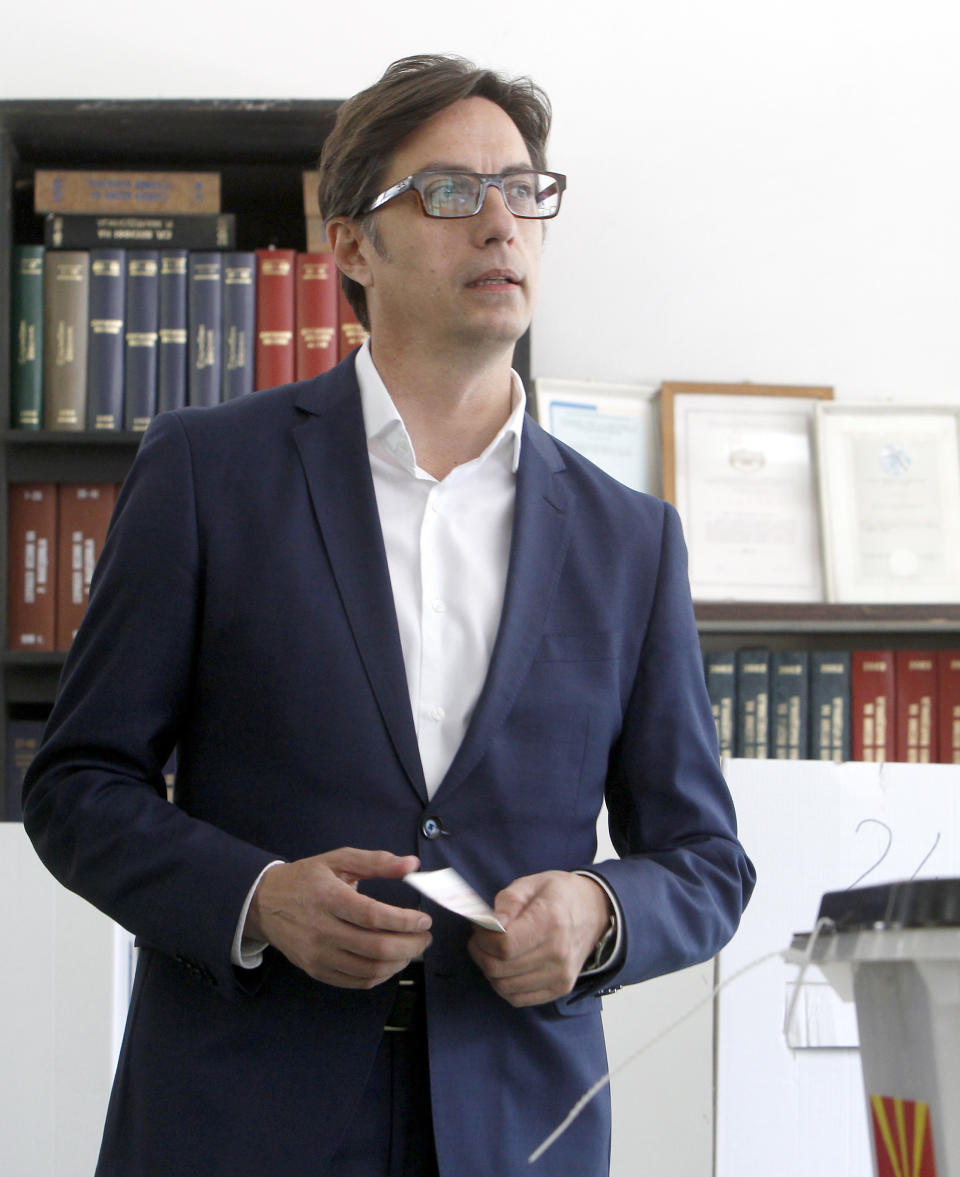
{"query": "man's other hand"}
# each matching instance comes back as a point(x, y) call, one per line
point(313, 913)
point(553, 921)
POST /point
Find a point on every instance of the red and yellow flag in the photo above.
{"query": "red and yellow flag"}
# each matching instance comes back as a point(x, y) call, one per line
point(903, 1137)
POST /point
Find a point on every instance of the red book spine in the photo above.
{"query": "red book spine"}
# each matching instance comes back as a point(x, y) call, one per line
point(948, 703)
point(317, 283)
point(916, 675)
point(352, 332)
point(873, 704)
point(84, 513)
point(275, 357)
point(32, 561)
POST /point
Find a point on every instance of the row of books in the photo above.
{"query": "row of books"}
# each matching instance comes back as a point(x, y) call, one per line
point(56, 533)
point(106, 338)
point(877, 705)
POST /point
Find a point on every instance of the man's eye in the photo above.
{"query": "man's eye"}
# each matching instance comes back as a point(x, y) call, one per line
point(449, 191)
point(521, 190)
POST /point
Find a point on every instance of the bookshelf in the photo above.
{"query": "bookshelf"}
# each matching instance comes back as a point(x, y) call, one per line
point(260, 149)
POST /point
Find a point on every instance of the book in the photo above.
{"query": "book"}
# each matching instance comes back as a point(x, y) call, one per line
point(948, 706)
point(720, 669)
point(59, 190)
point(317, 241)
point(105, 344)
point(311, 193)
point(87, 231)
point(205, 309)
point(275, 361)
point(352, 331)
point(66, 312)
point(31, 565)
point(789, 705)
point(830, 705)
point(83, 514)
point(753, 704)
point(23, 735)
point(239, 323)
point(172, 331)
point(873, 705)
point(317, 279)
point(26, 336)
point(916, 718)
point(140, 351)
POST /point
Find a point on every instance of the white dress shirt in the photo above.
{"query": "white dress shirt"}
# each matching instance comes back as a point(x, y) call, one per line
point(448, 546)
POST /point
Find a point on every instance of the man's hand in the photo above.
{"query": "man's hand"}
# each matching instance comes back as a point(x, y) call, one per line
point(553, 922)
point(313, 913)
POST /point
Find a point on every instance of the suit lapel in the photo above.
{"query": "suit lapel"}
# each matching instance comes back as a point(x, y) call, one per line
point(332, 447)
point(541, 532)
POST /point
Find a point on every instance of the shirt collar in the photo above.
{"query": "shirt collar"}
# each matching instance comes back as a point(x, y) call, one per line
point(383, 422)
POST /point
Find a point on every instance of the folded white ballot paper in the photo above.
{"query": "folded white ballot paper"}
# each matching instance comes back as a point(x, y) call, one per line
point(454, 893)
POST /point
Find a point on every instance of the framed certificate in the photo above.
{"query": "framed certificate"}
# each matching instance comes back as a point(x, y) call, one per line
point(889, 478)
point(614, 425)
point(738, 465)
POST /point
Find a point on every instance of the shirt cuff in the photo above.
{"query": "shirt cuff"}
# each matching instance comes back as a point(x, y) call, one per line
point(246, 952)
point(613, 949)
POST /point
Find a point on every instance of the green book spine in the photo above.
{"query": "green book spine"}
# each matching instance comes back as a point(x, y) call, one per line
point(26, 337)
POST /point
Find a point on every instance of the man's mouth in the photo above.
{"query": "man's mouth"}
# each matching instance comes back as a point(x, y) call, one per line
point(499, 278)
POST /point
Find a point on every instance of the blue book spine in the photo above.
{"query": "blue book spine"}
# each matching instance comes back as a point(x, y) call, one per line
point(790, 689)
point(205, 301)
point(23, 739)
point(173, 331)
point(720, 668)
point(239, 323)
point(753, 704)
point(105, 342)
point(140, 353)
point(830, 730)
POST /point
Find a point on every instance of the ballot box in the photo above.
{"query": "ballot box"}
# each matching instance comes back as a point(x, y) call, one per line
point(894, 950)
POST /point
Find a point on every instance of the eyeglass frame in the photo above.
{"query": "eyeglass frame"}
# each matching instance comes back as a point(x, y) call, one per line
point(487, 180)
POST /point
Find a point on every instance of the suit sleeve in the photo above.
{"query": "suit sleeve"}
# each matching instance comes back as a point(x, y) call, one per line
point(683, 878)
point(94, 799)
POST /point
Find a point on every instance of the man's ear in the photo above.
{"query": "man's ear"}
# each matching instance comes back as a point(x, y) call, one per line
point(350, 246)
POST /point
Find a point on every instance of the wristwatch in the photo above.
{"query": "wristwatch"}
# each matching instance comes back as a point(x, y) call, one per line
point(602, 949)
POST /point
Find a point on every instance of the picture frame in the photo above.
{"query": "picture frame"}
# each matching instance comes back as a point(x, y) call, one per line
point(889, 490)
point(616, 426)
point(738, 464)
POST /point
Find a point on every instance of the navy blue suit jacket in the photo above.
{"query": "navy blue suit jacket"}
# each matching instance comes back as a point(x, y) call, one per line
point(242, 611)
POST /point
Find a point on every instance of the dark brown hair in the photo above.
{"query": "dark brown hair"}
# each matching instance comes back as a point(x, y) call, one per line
point(370, 127)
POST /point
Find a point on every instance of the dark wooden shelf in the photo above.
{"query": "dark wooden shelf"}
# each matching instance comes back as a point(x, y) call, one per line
point(759, 617)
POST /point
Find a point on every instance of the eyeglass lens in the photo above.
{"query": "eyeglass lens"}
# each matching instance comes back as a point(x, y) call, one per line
point(460, 194)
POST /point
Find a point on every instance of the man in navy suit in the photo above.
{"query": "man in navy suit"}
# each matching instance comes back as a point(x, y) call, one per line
point(388, 622)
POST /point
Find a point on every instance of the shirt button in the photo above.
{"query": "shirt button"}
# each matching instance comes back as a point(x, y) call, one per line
point(437, 713)
point(431, 828)
point(439, 606)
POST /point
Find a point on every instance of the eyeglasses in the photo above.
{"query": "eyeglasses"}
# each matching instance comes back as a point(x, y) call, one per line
point(533, 195)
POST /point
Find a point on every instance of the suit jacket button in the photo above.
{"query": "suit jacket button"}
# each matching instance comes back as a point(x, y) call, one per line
point(431, 828)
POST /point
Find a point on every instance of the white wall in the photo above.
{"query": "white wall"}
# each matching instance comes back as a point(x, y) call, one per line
point(759, 189)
